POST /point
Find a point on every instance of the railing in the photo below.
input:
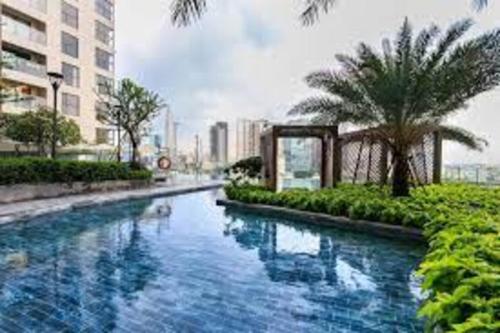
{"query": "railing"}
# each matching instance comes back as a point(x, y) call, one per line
point(40, 5)
point(26, 103)
point(19, 64)
point(22, 30)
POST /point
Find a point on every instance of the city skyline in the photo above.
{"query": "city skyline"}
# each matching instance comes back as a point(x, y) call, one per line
point(255, 68)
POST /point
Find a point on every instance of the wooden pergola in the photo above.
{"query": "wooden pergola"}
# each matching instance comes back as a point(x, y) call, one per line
point(330, 150)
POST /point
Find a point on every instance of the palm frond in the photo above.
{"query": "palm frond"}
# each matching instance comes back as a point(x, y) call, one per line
point(464, 137)
point(183, 12)
point(480, 4)
point(313, 8)
point(454, 33)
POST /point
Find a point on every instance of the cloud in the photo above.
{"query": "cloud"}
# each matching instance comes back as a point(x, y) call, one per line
point(248, 58)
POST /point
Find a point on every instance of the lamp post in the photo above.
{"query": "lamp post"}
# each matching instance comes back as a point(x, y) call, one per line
point(118, 130)
point(55, 80)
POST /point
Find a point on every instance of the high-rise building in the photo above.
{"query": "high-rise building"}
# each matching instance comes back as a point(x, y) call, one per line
point(170, 133)
point(219, 143)
point(248, 137)
point(75, 38)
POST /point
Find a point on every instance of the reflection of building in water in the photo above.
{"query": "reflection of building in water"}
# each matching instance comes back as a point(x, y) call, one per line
point(339, 268)
point(299, 163)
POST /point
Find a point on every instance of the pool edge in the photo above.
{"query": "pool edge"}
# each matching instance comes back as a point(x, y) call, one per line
point(374, 228)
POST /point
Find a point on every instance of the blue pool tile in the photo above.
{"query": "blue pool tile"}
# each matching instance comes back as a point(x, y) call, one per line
point(130, 267)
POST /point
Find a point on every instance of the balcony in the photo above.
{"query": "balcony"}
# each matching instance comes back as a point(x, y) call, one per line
point(24, 103)
point(22, 30)
point(40, 5)
point(16, 63)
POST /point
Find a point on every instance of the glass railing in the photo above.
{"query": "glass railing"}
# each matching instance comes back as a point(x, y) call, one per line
point(40, 5)
point(19, 64)
point(25, 103)
point(22, 30)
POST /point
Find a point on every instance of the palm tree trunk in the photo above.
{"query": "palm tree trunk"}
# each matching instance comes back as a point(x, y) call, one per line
point(400, 181)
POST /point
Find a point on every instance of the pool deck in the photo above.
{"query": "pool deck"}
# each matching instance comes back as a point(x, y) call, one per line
point(375, 228)
point(28, 209)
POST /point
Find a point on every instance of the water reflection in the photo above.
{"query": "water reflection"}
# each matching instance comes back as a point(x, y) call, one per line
point(336, 267)
point(60, 272)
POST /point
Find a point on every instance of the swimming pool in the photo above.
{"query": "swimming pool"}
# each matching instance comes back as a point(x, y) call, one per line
point(181, 264)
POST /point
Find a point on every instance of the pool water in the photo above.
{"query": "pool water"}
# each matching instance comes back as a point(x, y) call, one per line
point(181, 264)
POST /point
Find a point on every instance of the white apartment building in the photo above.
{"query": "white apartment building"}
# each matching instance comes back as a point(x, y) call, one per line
point(248, 137)
point(73, 37)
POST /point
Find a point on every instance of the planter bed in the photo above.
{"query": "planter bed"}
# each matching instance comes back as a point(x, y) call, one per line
point(376, 228)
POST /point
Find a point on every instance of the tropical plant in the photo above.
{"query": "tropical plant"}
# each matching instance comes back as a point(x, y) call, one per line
point(183, 12)
point(245, 170)
point(36, 128)
point(130, 107)
point(409, 90)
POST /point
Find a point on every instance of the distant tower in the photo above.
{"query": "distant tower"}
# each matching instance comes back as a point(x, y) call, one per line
point(170, 134)
point(248, 137)
point(219, 143)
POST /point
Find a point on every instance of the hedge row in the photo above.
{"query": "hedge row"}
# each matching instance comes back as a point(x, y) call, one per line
point(41, 170)
point(461, 270)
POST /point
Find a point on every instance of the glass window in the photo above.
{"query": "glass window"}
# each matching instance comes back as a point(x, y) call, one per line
point(104, 8)
point(71, 75)
point(70, 104)
point(103, 59)
point(69, 45)
point(103, 33)
point(69, 14)
point(102, 84)
point(104, 135)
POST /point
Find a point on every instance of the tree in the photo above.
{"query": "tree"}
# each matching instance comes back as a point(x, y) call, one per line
point(130, 107)
point(409, 90)
point(35, 128)
point(183, 12)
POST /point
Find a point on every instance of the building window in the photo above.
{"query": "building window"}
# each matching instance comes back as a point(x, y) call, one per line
point(103, 33)
point(69, 14)
point(104, 136)
point(103, 84)
point(71, 75)
point(103, 59)
point(69, 45)
point(104, 8)
point(70, 104)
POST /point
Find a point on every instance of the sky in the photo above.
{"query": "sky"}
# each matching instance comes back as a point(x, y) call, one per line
point(248, 58)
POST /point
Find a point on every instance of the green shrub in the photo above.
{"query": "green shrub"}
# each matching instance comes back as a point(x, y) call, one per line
point(461, 271)
point(40, 170)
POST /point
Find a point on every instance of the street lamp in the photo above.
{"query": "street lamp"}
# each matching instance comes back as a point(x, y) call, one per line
point(55, 80)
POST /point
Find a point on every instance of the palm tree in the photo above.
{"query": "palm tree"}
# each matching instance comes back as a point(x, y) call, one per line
point(186, 11)
point(409, 90)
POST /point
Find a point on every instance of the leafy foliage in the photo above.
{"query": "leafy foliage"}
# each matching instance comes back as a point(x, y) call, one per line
point(184, 12)
point(35, 128)
point(131, 107)
point(409, 90)
point(462, 224)
point(41, 170)
point(245, 170)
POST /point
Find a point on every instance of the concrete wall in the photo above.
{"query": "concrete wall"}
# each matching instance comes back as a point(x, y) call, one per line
point(23, 192)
